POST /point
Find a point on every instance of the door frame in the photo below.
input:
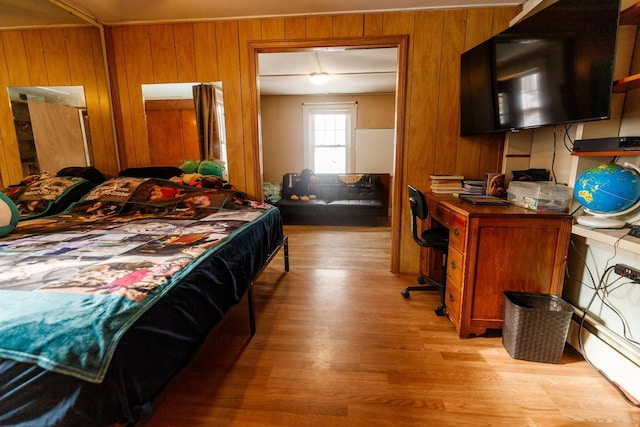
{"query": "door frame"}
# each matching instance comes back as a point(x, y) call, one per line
point(402, 44)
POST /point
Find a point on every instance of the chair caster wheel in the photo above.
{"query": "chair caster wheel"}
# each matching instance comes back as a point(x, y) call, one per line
point(439, 310)
point(404, 293)
point(421, 280)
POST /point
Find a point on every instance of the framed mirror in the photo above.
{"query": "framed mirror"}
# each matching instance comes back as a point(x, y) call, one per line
point(52, 127)
point(172, 126)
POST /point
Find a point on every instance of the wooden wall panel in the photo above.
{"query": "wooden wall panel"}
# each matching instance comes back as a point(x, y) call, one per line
point(99, 102)
point(348, 26)
point(248, 30)
point(448, 111)
point(206, 55)
point(120, 89)
point(79, 47)
point(15, 55)
point(373, 24)
point(319, 27)
point(429, 129)
point(294, 28)
point(185, 53)
point(422, 96)
point(139, 69)
point(56, 57)
point(229, 62)
point(163, 53)
point(272, 29)
point(34, 54)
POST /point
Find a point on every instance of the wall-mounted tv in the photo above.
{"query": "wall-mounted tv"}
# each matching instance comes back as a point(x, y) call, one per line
point(554, 67)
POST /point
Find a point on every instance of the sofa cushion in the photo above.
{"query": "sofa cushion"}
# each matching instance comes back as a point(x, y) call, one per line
point(355, 207)
point(327, 191)
point(301, 207)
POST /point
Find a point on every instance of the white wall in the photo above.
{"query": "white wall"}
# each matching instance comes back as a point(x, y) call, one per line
point(593, 251)
point(375, 149)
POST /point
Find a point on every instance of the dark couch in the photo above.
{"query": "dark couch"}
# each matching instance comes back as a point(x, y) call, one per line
point(349, 199)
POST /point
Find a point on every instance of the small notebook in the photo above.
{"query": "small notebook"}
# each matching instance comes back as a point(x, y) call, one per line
point(483, 200)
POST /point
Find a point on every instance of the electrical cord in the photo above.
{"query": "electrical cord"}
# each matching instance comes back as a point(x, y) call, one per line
point(616, 387)
point(567, 137)
point(597, 288)
point(576, 210)
point(553, 160)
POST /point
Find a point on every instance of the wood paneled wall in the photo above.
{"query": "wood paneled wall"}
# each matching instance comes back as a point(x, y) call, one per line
point(218, 51)
point(56, 57)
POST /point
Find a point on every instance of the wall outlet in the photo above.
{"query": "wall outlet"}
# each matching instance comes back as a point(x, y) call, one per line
point(628, 272)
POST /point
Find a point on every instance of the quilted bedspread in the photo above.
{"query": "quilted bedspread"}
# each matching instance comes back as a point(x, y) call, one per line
point(71, 285)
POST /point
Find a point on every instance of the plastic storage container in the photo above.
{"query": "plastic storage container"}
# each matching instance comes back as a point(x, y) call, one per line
point(539, 195)
point(535, 326)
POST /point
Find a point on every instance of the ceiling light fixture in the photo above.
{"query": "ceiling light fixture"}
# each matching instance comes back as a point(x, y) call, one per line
point(319, 78)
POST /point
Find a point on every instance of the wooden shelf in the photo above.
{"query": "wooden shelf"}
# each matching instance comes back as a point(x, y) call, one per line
point(626, 83)
point(606, 153)
point(629, 16)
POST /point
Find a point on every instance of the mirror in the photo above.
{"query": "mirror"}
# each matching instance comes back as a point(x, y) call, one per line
point(171, 122)
point(52, 127)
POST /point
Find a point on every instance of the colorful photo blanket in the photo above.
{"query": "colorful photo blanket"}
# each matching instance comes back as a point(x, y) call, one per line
point(72, 284)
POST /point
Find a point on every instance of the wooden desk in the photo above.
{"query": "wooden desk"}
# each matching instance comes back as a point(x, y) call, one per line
point(493, 249)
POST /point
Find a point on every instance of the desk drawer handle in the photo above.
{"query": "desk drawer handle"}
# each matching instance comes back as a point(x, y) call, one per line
point(456, 231)
point(451, 297)
point(453, 264)
point(438, 212)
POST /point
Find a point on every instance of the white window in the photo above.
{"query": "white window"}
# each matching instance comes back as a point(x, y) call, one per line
point(329, 135)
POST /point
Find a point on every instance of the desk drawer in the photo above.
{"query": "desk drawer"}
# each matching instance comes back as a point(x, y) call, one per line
point(452, 301)
point(458, 232)
point(441, 214)
point(455, 265)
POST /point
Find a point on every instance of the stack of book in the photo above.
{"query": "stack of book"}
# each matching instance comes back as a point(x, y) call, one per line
point(472, 186)
point(446, 184)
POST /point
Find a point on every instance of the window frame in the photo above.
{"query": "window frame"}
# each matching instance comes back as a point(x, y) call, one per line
point(351, 110)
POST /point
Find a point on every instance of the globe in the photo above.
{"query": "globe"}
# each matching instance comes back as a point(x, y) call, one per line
point(607, 190)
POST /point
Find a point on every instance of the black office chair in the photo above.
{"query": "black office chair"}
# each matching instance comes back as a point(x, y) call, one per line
point(435, 238)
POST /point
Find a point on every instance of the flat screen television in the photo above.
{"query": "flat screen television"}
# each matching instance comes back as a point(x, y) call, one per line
point(554, 67)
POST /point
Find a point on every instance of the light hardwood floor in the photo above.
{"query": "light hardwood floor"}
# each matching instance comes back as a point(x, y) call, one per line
point(337, 345)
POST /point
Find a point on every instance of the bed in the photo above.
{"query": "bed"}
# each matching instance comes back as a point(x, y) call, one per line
point(102, 304)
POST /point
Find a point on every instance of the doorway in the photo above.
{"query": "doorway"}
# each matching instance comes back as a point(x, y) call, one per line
point(349, 47)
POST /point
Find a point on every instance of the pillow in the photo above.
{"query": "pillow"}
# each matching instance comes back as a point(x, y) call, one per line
point(272, 191)
point(162, 172)
point(87, 172)
point(51, 196)
point(107, 199)
point(9, 215)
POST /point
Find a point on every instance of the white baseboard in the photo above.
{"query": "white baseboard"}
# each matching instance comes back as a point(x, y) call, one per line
point(618, 359)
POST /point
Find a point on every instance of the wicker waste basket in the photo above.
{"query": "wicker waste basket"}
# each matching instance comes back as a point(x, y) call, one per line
point(535, 326)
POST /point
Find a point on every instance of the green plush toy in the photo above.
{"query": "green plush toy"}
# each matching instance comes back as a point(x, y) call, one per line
point(9, 215)
point(211, 167)
point(189, 166)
